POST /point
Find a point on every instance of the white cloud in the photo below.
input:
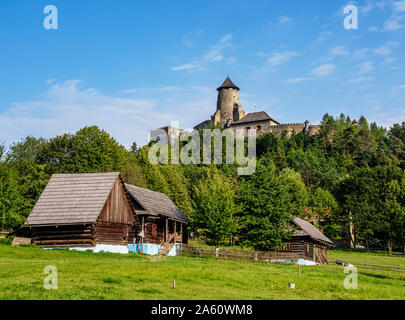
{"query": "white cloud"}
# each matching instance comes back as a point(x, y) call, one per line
point(372, 29)
point(399, 6)
point(387, 48)
point(215, 54)
point(231, 60)
point(49, 81)
point(387, 119)
point(360, 80)
point(297, 80)
point(360, 53)
point(216, 50)
point(194, 65)
point(320, 71)
point(281, 21)
point(382, 51)
point(323, 36)
point(365, 67)
point(279, 58)
point(66, 107)
point(389, 60)
point(284, 20)
point(324, 70)
point(394, 22)
point(189, 40)
point(336, 52)
point(397, 90)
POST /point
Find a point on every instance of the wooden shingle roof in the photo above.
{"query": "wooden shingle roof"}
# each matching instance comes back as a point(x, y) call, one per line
point(228, 84)
point(72, 199)
point(307, 229)
point(255, 117)
point(155, 203)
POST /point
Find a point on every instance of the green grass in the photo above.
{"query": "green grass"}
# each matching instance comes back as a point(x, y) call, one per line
point(85, 275)
point(367, 257)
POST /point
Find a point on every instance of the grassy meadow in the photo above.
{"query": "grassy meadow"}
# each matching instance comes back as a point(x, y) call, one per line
point(85, 275)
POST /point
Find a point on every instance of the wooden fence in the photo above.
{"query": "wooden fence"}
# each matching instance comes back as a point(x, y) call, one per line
point(237, 254)
point(3, 234)
point(375, 265)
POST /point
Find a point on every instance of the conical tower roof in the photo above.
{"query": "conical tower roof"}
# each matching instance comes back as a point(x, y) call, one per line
point(228, 84)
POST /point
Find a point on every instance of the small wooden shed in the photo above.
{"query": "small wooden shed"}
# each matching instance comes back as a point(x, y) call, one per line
point(308, 243)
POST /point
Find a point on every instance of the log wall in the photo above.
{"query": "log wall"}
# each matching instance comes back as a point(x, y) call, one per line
point(64, 236)
point(112, 233)
point(303, 247)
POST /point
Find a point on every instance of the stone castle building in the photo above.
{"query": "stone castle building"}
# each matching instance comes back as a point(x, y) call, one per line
point(230, 114)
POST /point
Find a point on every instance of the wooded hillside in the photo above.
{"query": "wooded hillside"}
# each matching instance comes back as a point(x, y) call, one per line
point(349, 168)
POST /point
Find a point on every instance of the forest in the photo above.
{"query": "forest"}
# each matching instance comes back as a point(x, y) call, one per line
point(352, 172)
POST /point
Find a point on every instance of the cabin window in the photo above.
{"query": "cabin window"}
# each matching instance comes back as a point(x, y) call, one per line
point(308, 247)
point(247, 131)
point(259, 128)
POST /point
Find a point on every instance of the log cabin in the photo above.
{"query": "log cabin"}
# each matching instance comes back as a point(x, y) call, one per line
point(163, 224)
point(307, 242)
point(97, 212)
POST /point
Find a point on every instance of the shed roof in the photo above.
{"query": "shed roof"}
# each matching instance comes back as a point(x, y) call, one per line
point(228, 84)
point(255, 117)
point(155, 203)
point(72, 199)
point(307, 229)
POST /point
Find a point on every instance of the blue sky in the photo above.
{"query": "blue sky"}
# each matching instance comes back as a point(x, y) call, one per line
point(130, 66)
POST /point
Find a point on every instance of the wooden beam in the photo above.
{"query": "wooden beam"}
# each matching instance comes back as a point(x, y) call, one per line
point(166, 229)
point(143, 231)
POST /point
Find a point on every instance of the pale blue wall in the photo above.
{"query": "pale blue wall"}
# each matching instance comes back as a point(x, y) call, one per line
point(151, 249)
point(148, 248)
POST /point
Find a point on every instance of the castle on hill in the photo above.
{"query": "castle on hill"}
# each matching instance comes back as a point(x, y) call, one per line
point(230, 114)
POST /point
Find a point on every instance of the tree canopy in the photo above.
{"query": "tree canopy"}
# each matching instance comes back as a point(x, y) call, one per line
point(351, 169)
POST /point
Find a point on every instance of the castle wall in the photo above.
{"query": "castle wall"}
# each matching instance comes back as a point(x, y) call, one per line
point(264, 125)
point(278, 129)
point(289, 128)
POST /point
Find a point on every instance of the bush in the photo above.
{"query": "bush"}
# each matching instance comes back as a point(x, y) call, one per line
point(6, 241)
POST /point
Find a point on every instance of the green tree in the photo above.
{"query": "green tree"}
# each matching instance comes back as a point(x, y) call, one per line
point(390, 203)
point(324, 210)
point(376, 199)
point(358, 196)
point(88, 150)
point(396, 142)
point(23, 160)
point(270, 203)
point(215, 208)
point(11, 201)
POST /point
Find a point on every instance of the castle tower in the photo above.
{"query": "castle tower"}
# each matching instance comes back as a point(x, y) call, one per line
point(228, 108)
